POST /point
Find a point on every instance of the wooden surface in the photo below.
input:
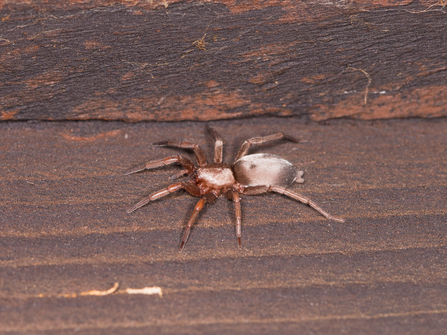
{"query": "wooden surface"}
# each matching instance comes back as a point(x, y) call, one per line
point(202, 60)
point(64, 231)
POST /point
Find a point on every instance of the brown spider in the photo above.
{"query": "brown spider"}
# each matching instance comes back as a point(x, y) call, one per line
point(249, 175)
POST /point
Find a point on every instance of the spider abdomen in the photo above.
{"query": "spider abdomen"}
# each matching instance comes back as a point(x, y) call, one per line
point(265, 169)
point(216, 175)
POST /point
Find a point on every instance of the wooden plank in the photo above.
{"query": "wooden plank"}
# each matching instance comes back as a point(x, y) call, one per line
point(65, 231)
point(200, 60)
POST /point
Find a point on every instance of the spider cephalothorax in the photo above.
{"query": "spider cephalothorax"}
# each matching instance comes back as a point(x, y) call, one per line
point(248, 175)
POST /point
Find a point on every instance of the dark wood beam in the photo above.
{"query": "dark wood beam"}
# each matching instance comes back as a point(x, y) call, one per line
point(200, 60)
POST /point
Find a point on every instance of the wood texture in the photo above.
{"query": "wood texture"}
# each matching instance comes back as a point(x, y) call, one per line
point(64, 231)
point(197, 60)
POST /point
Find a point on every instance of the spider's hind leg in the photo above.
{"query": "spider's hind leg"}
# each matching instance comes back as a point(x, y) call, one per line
point(305, 200)
point(256, 190)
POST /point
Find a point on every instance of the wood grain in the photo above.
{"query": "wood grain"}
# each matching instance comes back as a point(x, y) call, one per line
point(197, 60)
point(64, 231)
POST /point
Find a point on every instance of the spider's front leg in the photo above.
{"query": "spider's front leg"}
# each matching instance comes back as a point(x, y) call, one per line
point(156, 195)
point(186, 163)
point(188, 187)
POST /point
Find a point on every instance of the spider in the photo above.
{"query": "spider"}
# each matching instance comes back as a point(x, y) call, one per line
point(248, 175)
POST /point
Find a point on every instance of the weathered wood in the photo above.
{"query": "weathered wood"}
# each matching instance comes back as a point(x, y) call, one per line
point(197, 60)
point(64, 230)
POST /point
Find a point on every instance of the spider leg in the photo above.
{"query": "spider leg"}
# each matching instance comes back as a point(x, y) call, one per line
point(218, 145)
point(305, 200)
point(200, 156)
point(237, 208)
point(256, 190)
point(258, 140)
point(159, 194)
point(185, 162)
point(193, 217)
point(192, 189)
